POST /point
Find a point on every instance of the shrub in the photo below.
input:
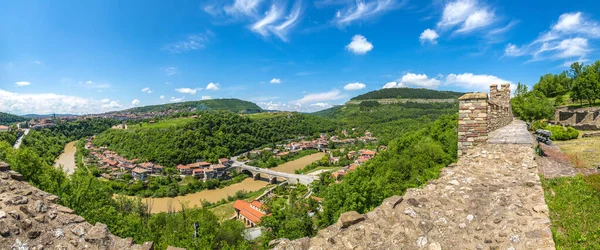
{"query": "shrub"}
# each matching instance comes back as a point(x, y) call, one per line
point(560, 133)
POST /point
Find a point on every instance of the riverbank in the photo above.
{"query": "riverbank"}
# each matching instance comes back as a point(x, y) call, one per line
point(167, 204)
point(67, 159)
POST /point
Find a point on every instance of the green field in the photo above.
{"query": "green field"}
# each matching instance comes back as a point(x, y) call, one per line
point(574, 204)
point(163, 123)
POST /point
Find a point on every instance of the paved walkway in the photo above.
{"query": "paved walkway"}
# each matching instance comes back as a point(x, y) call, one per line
point(491, 199)
point(513, 133)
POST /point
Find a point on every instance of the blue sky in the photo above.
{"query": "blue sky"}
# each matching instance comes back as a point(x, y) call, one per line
point(94, 56)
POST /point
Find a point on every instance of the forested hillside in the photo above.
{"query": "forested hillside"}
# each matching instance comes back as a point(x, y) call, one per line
point(387, 121)
point(212, 136)
point(6, 119)
point(233, 105)
point(408, 93)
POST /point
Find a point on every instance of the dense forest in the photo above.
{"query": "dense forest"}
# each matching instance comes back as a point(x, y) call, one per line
point(233, 105)
point(50, 142)
point(388, 121)
point(7, 119)
point(10, 136)
point(212, 136)
point(408, 93)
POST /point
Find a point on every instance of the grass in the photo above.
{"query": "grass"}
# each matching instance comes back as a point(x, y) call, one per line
point(331, 169)
point(584, 152)
point(574, 204)
point(225, 211)
point(163, 123)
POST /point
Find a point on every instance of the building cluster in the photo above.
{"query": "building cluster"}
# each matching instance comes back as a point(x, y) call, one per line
point(114, 165)
point(205, 170)
point(250, 213)
point(359, 157)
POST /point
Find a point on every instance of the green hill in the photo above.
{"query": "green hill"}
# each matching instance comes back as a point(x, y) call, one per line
point(7, 119)
point(407, 93)
point(233, 105)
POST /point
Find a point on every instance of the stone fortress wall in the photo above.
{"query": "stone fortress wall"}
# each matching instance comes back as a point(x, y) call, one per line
point(480, 114)
point(581, 118)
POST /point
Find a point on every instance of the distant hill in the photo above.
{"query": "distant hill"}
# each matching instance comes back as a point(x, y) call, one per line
point(36, 116)
point(407, 93)
point(233, 105)
point(6, 119)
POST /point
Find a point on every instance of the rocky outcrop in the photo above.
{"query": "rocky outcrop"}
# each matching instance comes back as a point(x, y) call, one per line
point(31, 219)
point(491, 199)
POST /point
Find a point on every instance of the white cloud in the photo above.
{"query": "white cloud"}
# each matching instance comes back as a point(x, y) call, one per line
point(355, 86)
point(147, 90)
point(418, 80)
point(170, 71)
point(567, 40)
point(359, 45)
point(22, 84)
point(192, 42)
point(188, 90)
point(363, 10)
point(213, 86)
point(321, 97)
point(174, 99)
point(275, 81)
point(457, 12)
point(390, 85)
point(162, 97)
point(476, 20)
point(429, 35)
point(37, 62)
point(48, 103)
point(322, 105)
point(473, 82)
point(135, 102)
point(205, 97)
point(244, 7)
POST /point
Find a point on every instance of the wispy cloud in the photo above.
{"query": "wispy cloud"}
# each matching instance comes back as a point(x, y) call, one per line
point(135, 102)
point(321, 97)
point(275, 81)
point(362, 10)
point(468, 17)
point(170, 71)
point(276, 18)
point(147, 90)
point(190, 43)
point(22, 84)
point(567, 40)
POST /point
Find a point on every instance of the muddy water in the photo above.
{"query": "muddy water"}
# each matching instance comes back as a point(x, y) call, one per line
point(174, 204)
point(67, 158)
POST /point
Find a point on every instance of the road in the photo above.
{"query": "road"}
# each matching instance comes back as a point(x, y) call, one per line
point(20, 140)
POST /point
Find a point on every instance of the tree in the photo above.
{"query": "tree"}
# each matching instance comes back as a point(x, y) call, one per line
point(532, 106)
point(587, 84)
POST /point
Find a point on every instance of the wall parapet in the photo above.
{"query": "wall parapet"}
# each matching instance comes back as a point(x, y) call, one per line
point(479, 114)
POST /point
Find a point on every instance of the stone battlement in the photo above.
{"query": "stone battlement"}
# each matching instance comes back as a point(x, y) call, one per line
point(31, 219)
point(479, 114)
point(491, 199)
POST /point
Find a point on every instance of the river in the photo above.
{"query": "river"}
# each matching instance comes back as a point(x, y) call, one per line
point(67, 158)
point(173, 204)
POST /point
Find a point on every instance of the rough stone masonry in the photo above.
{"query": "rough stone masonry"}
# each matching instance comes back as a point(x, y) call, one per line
point(30, 219)
point(491, 199)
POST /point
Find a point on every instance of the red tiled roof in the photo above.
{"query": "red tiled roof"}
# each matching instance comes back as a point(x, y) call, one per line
point(180, 166)
point(368, 152)
point(223, 160)
point(247, 211)
point(198, 170)
point(257, 204)
point(140, 170)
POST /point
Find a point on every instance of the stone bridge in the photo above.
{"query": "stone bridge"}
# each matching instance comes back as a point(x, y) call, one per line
point(272, 175)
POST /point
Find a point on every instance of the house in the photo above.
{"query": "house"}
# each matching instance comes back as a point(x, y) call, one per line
point(334, 160)
point(209, 174)
point(250, 213)
point(351, 154)
point(198, 173)
point(219, 170)
point(140, 174)
point(369, 134)
point(184, 169)
point(367, 153)
point(361, 160)
point(224, 161)
point(338, 174)
point(282, 154)
point(3, 128)
point(158, 169)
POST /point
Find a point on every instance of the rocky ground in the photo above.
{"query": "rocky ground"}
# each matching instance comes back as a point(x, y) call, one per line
point(491, 199)
point(31, 219)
